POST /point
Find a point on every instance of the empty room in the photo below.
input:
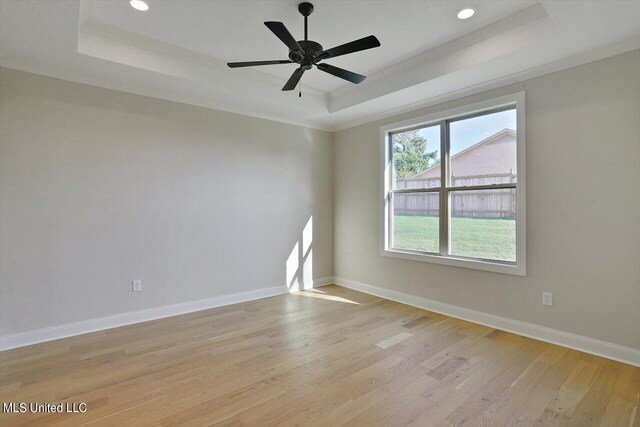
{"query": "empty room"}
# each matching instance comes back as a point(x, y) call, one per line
point(330, 213)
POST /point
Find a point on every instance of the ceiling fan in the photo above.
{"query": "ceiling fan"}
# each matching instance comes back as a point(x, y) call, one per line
point(308, 53)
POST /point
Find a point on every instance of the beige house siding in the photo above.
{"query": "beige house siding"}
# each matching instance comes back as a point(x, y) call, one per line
point(494, 155)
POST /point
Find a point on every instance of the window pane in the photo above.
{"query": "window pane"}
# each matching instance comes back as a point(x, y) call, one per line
point(483, 149)
point(416, 222)
point(483, 224)
point(416, 156)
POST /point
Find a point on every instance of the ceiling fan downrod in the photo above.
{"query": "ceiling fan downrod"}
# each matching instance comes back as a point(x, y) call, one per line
point(305, 10)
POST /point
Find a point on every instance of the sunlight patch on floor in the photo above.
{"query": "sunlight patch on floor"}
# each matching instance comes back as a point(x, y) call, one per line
point(314, 293)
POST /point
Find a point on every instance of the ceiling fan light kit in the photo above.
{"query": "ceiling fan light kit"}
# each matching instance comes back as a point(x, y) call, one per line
point(307, 53)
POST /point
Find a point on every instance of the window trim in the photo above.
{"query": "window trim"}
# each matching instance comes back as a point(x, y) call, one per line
point(519, 267)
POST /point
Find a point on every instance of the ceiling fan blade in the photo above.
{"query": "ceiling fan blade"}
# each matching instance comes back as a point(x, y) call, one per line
point(254, 63)
point(294, 79)
point(283, 34)
point(343, 74)
point(351, 47)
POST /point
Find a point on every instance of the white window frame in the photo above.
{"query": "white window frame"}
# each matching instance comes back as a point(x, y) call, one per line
point(516, 268)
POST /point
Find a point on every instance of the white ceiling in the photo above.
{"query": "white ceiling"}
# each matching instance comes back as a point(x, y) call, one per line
point(178, 49)
point(234, 30)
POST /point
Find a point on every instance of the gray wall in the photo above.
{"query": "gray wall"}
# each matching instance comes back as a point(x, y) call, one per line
point(583, 209)
point(99, 188)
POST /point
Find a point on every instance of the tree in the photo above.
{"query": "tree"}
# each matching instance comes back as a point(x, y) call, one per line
point(410, 154)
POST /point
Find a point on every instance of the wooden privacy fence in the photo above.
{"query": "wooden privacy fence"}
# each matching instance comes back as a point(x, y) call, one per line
point(465, 203)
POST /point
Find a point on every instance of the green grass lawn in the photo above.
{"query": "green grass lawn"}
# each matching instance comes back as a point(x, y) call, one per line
point(472, 237)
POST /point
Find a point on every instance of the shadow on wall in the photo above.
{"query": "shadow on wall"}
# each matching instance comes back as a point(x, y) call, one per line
point(299, 265)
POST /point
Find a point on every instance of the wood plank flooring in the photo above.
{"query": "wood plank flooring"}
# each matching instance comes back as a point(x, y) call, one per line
point(326, 357)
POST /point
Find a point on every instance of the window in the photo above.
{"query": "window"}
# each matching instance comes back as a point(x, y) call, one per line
point(453, 187)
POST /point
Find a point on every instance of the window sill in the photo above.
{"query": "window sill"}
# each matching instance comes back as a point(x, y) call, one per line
point(475, 264)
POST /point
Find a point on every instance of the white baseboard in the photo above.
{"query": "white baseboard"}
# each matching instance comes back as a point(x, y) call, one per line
point(605, 349)
point(36, 336)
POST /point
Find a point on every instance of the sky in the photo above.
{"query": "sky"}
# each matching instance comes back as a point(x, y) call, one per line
point(465, 133)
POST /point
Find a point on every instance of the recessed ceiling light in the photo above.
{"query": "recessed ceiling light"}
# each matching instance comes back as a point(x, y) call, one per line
point(463, 14)
point(140, 5)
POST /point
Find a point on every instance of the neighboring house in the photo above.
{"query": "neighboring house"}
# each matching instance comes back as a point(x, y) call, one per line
point(494, 155)
point(490, 161)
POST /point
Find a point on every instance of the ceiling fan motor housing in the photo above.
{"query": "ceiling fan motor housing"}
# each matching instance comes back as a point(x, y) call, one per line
point(310, 48)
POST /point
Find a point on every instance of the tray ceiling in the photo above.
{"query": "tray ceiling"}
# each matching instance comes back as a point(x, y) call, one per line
point(178, 49)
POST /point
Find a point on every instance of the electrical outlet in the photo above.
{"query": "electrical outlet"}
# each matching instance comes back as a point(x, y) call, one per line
point(547, 298)
point(136, 286)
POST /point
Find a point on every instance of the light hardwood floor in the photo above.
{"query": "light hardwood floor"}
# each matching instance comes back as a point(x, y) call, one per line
point(327, 357)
